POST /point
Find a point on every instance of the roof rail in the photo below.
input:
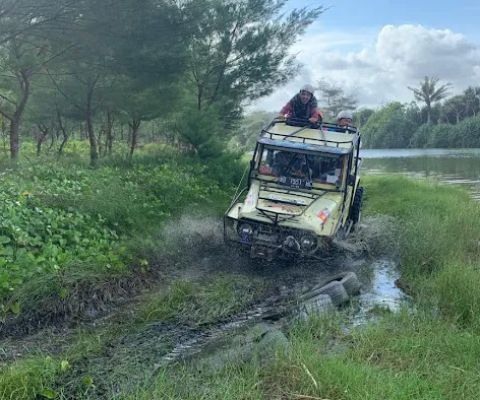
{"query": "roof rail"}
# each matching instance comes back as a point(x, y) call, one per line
point(297, 134)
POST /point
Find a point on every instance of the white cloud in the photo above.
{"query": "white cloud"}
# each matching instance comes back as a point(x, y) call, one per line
point(378, 67)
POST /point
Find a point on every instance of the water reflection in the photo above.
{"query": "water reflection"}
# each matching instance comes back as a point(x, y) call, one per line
point(451, 166)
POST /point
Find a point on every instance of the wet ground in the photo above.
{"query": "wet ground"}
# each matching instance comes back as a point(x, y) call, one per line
point(370, 253)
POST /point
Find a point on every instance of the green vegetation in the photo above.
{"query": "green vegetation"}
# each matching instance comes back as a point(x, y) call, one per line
point(429, 352)
point(426, 352)
point(122, 74)
point(65, 225)
point(454, 123)
point(124, 353)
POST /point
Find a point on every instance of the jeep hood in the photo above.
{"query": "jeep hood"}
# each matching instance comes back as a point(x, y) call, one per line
point(318, 210)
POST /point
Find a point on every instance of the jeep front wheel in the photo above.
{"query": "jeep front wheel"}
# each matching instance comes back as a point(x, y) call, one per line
point(356, 211)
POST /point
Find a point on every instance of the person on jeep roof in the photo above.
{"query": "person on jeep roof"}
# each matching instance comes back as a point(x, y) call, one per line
point(345, 118)
point(303, 106)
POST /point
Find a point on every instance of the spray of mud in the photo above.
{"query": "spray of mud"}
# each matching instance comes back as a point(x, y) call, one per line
point(196, 244)
point(191, 233)
point(377, 236)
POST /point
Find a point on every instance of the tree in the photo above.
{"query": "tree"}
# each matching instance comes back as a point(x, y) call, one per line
point(428, 93)
point(361, 116)
point(110, 43)
point(250, 126)
point(335, 99)
point(472, 101)
point(453, 110)
point(138, 102)
point(24, 52)
point(24, 17)
point(389, 127)
point(238, 50)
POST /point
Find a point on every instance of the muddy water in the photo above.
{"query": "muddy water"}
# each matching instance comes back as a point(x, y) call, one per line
point(380, 293)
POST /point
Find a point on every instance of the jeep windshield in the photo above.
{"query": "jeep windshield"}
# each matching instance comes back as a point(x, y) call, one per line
point(302, 170)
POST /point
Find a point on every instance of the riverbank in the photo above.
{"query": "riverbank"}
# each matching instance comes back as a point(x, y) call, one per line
point(428, 351)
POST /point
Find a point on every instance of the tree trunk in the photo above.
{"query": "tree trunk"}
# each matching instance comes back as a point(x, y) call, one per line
point(109, 134)
point(90, 131)
point(64, 133)
point(14, 139)
point(52, 141)
point(134, 125)
point(41, 137)
point(24, 80)
point(199, 98)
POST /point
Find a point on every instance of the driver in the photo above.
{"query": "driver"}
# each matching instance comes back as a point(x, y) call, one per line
point(303, 106)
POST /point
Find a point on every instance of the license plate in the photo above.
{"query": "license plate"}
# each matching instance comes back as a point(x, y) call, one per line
point(296, 183)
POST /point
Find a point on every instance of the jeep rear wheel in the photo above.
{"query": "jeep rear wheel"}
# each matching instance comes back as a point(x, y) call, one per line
point(356, 211)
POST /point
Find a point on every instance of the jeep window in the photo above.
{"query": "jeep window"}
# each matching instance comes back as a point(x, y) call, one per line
point(302, 168)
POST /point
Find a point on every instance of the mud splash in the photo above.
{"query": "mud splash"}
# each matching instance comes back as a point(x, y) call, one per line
point(374, 238)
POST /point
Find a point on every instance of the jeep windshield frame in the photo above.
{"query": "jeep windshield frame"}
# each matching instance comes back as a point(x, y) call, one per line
point(300, 168)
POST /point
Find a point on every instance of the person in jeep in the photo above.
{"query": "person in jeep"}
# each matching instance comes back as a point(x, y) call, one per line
point(303, 106)
point(345, 118)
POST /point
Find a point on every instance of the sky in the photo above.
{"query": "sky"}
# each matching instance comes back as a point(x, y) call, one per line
point(375, 49)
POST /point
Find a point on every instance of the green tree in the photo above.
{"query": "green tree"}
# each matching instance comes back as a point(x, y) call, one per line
point(454, 109)
point(113, 45)
point(429, 93)
point(361, 116)
point(238, 50)
point(24, 53)
point(472, 101)
point(389, 127)
point(249, 129)
point(335, 99)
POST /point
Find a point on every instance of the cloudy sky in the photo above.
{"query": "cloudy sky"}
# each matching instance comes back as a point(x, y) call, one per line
point(375, 49)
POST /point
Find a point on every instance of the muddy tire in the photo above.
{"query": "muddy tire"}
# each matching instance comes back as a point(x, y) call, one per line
point(336, 291)
point(356, 211)
point(318, 305)
point(351, 283)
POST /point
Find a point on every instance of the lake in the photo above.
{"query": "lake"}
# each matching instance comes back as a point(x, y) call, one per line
point(451, 166)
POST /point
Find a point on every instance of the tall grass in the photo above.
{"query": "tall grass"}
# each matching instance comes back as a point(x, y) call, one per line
point(428, 352)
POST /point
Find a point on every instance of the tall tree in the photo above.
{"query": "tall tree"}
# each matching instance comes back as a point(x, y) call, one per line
point(112, 40)
point(334, 98)
point(472, 101)
point(238, 50)
point(20, 17)
point(429, 93)
point(453, 110)
point(24, 52)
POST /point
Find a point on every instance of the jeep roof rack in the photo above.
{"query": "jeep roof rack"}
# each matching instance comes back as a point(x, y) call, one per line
point(314, 138)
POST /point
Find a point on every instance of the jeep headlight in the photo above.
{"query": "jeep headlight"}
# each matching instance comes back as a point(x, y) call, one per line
point(308, 242)
point(245, 231)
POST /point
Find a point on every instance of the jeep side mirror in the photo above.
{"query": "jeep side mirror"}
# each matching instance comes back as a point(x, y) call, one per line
point(351, 180)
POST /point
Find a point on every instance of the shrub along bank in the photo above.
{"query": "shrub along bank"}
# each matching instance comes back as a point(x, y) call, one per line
point(63, 223)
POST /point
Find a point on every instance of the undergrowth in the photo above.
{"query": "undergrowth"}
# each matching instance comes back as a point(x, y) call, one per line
point(59, 216)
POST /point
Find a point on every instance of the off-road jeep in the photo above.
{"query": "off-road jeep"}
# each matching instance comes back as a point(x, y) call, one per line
point(303, 190)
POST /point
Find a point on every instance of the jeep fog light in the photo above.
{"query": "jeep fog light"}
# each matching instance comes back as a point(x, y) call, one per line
point(245, 231)
point(308, 242)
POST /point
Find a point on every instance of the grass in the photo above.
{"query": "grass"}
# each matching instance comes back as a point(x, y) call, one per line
point(204, 302)
point(124, 353)
point(428, 352)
